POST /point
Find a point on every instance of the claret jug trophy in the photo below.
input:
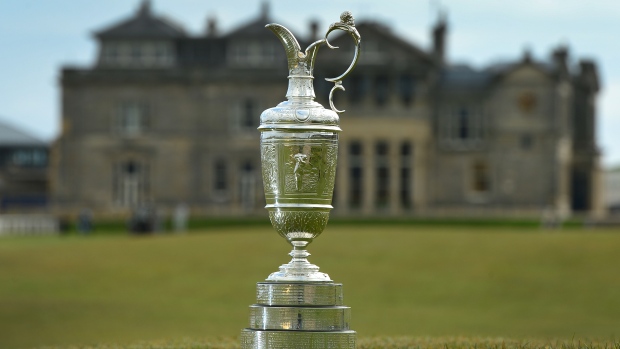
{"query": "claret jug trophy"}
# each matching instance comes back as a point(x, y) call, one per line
point(298, 306)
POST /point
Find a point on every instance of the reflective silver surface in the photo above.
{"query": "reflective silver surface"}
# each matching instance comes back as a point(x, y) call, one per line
point(334, 318)
point(300, 307)
point(299, 294)
point(297, 339)
point(299, 148)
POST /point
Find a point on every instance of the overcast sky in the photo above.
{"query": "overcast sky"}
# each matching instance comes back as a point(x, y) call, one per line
point(37, 37)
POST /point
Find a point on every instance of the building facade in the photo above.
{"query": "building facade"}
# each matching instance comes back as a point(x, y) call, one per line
point(167, 118)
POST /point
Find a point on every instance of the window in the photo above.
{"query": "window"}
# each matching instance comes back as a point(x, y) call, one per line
point(245, 115)
point(220, 182)
point(358, 88)
point(132, 53)
point(29, 158)
point(406, 154)
point(253, 53)
point(381, 90)
point(130, 183)
point(383, 175)
point(248, 117)
point(463, 123)
point(461, 127)
point(406, 89)
point(247, 186)
point(480, 179)
point(39, 158)
point(136, 53)
point(355, 175)
point(162, 53)
point(110, 53)
point(131, 118)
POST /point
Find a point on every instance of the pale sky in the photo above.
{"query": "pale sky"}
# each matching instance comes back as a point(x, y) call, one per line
point(37, 37)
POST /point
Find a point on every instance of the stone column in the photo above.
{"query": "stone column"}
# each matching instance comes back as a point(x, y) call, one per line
point(369, 176)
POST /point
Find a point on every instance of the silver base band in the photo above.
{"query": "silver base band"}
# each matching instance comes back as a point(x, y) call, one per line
point(334, 318)
point(257, 339)
point(298, 294)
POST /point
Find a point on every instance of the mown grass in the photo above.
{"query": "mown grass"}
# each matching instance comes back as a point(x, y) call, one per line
point(379, 343)
point(399, 280)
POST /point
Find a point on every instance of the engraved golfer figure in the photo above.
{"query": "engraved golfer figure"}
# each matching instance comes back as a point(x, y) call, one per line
point(301, 160)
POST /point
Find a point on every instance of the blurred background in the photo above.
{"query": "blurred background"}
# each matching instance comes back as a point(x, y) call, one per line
point(454, 111)
point(141, 116)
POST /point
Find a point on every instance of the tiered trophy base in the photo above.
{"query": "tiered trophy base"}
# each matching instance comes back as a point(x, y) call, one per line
point(300, 315)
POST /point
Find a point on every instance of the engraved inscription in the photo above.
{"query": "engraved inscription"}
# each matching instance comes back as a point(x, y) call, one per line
point(329, 170)
point(270, 168)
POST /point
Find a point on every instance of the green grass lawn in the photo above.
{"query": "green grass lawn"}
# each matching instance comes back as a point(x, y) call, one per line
point(400, 281)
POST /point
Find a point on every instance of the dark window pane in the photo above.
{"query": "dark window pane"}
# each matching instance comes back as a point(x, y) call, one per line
point(382, 148)
point(220, 175)
point(405, 149)
point(381, 90)
point(355, 190)
point(463, 116)
point(406, 89)
point(355, 148)
point(480, 177)
point(248, 114)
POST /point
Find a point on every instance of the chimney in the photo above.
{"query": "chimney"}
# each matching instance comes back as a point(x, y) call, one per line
point(560, 59)
point(145, 8)
point(527, 55)
point(212, 27)
point(264, 10)
point(588, 75)
point(314, 30)
point(439, 38)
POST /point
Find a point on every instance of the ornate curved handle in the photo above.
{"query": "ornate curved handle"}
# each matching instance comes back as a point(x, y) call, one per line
point(346, 24)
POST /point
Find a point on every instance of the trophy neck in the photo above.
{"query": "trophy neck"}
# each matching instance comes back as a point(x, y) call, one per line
point(300, 88)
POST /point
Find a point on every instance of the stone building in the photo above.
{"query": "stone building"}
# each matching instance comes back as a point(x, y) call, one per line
point(164, 117)
point(23, 171)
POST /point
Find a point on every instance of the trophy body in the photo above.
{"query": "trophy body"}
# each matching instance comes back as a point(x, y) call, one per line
point(298, 306)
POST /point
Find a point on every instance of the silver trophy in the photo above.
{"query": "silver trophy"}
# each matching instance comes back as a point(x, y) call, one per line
point(298, 306)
